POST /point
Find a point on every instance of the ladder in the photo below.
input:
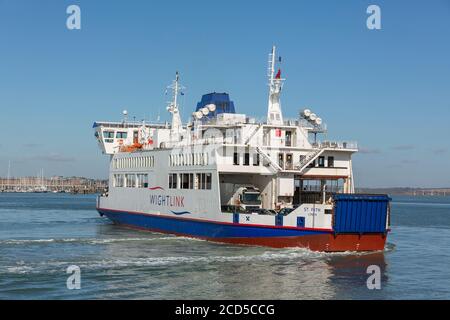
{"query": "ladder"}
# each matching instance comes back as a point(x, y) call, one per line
point(255, 130)
point(310, 157)
point(272, 163)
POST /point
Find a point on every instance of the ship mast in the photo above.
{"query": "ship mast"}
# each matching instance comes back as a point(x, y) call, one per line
point(274, 114)
point(177, 126)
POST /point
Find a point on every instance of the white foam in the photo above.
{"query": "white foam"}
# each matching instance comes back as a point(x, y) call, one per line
point(84, 240)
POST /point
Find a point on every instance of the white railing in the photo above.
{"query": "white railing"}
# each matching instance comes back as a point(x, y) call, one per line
point(353, 145)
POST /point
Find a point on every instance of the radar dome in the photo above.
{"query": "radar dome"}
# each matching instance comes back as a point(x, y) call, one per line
point(198, 115)
point(211, 107)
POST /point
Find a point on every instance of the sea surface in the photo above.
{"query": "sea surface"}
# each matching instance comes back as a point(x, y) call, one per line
point(41, 235)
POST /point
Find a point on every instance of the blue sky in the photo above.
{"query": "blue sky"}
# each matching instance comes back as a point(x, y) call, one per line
point(388, 89)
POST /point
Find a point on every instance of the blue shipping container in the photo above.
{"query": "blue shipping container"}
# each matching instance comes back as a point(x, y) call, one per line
point(360, 213)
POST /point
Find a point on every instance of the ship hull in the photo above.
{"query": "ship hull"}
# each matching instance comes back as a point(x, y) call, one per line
point(243, 234)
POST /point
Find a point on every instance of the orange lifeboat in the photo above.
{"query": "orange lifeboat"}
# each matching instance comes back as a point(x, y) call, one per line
point(130, 148)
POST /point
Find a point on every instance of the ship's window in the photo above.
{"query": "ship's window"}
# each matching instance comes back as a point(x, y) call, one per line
point(321, 162)
point(256, 159)
point(289, 161)
point(121, 135)
point(236, 159)
point(191, 181)
point(281, 160)
point(185, 181)
point(208, 181)
point(172, 181)
point(312, 164)
point(246, 159)
point(142, 181)
point(331, 162)
point(108, 134)
point(130, 180)
point(118, 181)
point(288, 138)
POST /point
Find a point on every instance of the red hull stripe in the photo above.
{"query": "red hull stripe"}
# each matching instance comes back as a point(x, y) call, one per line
point(320, 242)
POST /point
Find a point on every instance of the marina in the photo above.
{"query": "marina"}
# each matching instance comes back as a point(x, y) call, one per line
point(41, 184)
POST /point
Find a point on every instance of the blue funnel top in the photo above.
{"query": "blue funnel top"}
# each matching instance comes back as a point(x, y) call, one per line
point(221, 100)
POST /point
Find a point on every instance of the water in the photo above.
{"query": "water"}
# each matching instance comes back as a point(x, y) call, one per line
point(42, 234)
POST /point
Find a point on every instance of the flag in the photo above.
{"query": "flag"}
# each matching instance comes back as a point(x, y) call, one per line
point(278, 76)
point(182, 93)
point(279, 59)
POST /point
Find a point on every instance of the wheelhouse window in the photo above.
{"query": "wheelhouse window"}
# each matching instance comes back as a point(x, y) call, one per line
point(121, 135)
point(109, 136)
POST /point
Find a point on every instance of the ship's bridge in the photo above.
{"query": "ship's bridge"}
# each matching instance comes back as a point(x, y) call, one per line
point(112, 136)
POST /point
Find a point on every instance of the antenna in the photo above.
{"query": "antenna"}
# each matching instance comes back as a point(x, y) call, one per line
point(274, 114)
point(173, 108)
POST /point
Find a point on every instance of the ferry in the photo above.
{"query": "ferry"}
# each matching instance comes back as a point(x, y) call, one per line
point(226, 177)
